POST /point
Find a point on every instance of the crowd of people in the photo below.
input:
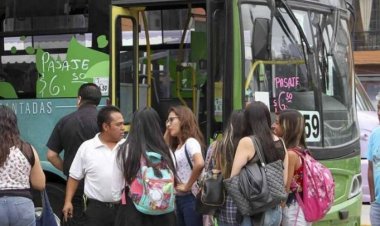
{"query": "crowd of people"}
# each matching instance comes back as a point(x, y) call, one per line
point(103, 164)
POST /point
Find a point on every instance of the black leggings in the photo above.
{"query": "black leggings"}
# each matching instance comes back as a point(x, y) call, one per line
point(128, 215)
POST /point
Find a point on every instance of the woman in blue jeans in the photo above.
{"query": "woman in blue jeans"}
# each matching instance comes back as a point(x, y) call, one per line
point(186, 141)
point(19, 167)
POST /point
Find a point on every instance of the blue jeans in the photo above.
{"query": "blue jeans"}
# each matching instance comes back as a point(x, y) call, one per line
point(226, 224)
point(272, 217)
point(186, 213)
point(17, 211)
point(374, 214)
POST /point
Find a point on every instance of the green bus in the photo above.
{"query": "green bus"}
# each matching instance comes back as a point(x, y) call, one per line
point(215, 56)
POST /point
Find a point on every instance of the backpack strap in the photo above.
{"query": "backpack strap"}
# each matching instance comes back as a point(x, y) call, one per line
point(295, 187)
point(299, 152)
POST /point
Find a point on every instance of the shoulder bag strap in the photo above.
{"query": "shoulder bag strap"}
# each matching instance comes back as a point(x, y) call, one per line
point(209, 159)
point(188, 158)
point(258, 149)
point(215, 157)
point(283, 144)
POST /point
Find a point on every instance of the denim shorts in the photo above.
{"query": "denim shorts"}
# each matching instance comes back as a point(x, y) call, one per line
point(292, 215)
point(17, 211)
point(272, 217)
point(374, 214)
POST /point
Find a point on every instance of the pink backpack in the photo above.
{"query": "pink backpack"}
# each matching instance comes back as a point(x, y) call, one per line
point(318, 188)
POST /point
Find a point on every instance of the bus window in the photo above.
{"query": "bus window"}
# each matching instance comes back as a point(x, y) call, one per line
point(338, 107)
point(48, 49)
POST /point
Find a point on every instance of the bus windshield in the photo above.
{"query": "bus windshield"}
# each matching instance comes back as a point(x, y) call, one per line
point(318, 82)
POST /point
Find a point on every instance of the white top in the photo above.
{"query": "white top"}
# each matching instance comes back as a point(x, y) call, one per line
point(183, 168)
point(15, 172)
point(94, 161)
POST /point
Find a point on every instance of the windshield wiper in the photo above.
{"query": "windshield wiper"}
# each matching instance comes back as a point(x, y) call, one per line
point(295, 21)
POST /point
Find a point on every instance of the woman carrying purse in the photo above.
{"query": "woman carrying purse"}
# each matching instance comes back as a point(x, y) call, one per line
point(258, 124)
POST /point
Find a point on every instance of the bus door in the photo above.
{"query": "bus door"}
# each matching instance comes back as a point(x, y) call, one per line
point(159, 57)
point(128, 86)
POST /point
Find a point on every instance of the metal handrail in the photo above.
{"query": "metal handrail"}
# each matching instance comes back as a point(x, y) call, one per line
point(258, 62)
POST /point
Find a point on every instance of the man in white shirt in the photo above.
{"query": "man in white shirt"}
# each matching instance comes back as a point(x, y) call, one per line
point(94, 163)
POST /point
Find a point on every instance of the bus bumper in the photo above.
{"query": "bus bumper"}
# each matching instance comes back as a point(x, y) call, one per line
point(346, 213)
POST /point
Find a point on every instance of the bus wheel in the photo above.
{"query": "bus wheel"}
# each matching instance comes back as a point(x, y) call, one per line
point(56, 194)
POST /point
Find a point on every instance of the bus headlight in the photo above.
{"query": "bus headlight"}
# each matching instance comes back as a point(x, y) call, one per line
point(356, 186)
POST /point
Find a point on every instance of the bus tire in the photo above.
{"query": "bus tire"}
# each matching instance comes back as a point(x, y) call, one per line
point(56, 194)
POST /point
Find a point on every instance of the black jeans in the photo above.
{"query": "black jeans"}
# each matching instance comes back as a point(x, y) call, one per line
point(100, 214)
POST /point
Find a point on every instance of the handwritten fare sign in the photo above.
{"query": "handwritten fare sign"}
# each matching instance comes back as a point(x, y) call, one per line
point(51, 66)
point(284, 86)
point(62, 78)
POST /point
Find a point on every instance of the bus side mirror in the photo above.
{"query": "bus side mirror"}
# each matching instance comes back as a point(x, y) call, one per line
point(260, 39)
point(272, 5)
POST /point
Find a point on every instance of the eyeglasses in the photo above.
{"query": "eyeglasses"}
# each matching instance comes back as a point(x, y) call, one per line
point(170, 120)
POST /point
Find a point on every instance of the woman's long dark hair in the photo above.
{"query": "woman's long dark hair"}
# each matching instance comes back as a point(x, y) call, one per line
point(258, 121)
point(231, 136)
point(9, 133)
point(145, 135)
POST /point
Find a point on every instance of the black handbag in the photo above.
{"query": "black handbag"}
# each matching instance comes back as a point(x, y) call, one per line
point(274, 173)
point(45, 215)
point(259, 186)
point(211, 195)
point(232, 186)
